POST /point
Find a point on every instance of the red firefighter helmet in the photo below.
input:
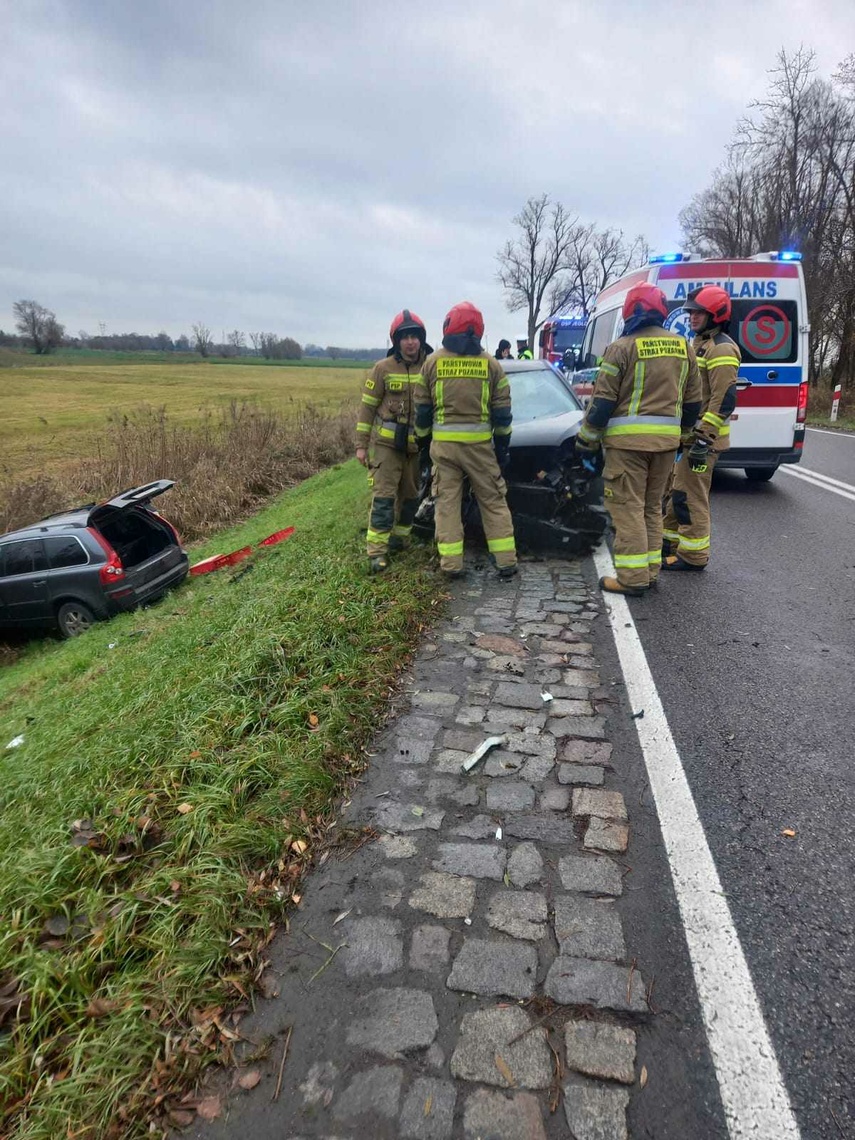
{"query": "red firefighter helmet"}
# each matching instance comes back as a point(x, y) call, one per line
point(463, 318)
point(648, 297)
point(710, 299)
point(407, 322)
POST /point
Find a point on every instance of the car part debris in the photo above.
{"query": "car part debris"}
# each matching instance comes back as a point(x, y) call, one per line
point(482, 750)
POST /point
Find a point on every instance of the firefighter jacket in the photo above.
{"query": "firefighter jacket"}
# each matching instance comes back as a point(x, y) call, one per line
point(464, 399)
point(718, 360)
point(647, 392)
point(387, 410)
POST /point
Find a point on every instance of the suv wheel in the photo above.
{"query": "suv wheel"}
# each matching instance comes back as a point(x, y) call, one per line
point(74, 618)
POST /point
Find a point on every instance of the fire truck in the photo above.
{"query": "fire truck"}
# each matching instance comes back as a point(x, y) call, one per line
point(559, 337)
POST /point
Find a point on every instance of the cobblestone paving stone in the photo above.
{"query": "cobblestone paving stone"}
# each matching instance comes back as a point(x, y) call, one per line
point(469, 969)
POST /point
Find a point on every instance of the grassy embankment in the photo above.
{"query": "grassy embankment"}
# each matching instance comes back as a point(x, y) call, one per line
point(165, 801)
point(819, 410)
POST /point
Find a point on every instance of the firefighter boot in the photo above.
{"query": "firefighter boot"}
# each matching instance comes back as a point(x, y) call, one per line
point(613, 586)
point(674, 562)
point(378, 564)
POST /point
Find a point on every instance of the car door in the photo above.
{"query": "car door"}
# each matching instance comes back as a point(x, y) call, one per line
point(24, 582)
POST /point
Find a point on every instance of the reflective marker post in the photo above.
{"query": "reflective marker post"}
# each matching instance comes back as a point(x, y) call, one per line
point(835, 402)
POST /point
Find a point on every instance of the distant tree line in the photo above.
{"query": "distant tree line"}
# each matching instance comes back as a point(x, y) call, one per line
point(39, 330)
point(789, 183)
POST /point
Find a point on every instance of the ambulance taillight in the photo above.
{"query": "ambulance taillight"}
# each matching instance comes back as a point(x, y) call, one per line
point(801, 413)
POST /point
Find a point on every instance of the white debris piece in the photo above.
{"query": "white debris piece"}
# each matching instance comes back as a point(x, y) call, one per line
point(482, 750)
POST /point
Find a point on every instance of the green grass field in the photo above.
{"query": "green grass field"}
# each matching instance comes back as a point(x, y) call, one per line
point(53, 414)
point(177, 769)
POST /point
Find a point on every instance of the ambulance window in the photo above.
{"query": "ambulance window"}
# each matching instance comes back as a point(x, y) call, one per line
point(599, 338)
point(766, 331)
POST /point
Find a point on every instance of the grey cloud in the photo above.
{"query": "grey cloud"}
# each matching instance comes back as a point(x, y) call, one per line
point(310, 168)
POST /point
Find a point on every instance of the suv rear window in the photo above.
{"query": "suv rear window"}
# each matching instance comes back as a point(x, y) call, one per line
point(62, 552)
point(24, 557)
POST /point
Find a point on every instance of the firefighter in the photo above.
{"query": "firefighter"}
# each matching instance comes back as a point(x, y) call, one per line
point(463, 412)
point(647, 394)
point(385, 440)
point(523, 351)
point(687, 528)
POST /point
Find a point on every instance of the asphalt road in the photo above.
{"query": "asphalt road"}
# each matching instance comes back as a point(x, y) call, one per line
point(755, 663)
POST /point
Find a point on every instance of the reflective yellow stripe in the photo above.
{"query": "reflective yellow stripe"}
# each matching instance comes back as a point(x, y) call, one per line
point(694, 543)
point(502, 430)
point(721, 361)
point(502, 384)
point(421, 432)
point(589, 434)
point(725, 430)
point(485, 399)
point(462, 436)
point(671, 535)
point(684, 373)
point(450, 547)
point(642, 429)
point(631, 561)
point(439, 402)
point(702, 363)
point(381, 536)
point(712, 418)
point(654, 557)
point(610, 369)
point(363, 427)
point(401, 531)
point(495, 545)
point(637, 388)
point(371, 401)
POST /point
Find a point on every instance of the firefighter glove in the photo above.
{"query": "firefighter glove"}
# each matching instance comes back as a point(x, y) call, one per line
point(587, 449)
point(698, 455)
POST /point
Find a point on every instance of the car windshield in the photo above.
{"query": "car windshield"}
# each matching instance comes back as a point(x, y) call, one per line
point(567, 338)
point(539, 393)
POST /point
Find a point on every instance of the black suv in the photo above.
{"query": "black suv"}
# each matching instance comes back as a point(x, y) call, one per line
point(89, 563)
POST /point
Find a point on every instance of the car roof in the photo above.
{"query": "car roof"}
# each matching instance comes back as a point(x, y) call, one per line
point(526, 365)
point(77, 518)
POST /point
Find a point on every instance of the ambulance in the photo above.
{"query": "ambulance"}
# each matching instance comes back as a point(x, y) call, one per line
point(770, 324)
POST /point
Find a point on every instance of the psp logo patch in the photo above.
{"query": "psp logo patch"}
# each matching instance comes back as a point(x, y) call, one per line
point(678, 322)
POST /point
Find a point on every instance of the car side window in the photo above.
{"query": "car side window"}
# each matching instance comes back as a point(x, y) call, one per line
point(62, 552)
point(597, 338)
point(24, 557)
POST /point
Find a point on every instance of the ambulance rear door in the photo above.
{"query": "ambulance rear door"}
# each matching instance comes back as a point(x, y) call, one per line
point(769, 324)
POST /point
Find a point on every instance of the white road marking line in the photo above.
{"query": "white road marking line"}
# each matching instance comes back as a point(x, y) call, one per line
point(755, 1101)
point(824, 478)
point(826, 431)
point(845, 490)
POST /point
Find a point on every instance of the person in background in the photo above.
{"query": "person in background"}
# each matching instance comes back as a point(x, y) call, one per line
point(503, 352)
point(386, 419)
point(523, 351)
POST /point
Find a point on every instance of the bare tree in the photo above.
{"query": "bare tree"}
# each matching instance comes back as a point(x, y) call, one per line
point(789, 183)
point(533, 266)
point(255, 341)
point(235, 341)
point(39, 325)
point(202, 342)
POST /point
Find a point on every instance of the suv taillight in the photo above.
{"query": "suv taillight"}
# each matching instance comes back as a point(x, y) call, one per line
point(112, 570)
point(801, 414)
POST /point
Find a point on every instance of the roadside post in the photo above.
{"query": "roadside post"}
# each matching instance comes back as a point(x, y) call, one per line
point(835, 402)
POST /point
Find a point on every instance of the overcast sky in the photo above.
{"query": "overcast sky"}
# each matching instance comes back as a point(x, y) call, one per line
point(310, 168)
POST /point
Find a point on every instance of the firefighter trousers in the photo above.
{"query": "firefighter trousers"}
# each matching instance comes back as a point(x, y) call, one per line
point(452, 463)
point(686, 527)
point(635, 485)
point(394, 477)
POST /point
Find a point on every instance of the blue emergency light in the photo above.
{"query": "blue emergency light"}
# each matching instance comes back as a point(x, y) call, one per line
point(665, 258)
point(787, 255)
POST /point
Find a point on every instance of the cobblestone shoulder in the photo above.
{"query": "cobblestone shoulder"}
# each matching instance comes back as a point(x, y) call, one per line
point(468, 974)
